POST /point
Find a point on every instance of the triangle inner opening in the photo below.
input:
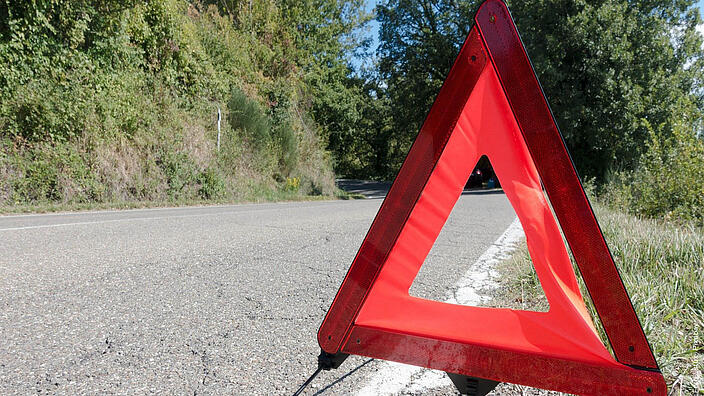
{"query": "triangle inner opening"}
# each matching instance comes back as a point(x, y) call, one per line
point(485, 126)
point(481, 253)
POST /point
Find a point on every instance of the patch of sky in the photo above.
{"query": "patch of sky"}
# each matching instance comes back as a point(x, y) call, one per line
point(365, 59)
point(701, 12)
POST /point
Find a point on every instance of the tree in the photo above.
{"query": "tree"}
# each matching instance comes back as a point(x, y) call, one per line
point(610, 68)
point(324, 38)
point(315, 39)
point(419, 40)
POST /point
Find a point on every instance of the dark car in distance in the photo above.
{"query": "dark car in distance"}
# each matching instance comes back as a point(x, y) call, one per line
point(476, 179)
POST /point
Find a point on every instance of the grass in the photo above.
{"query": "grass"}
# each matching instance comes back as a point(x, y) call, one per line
point(662, 266)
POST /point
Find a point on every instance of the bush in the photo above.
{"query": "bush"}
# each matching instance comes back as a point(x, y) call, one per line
point(181, 173)
point(53, 173)
point(292, 184)
point(288, 144)
point(283, 135)
point(212, 185)
point(247, 116)
point(668, 182)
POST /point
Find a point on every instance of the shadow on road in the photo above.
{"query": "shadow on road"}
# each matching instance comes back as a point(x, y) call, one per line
point(340, 379)
point(482, 191)
point(368, 188)
point(377, 189)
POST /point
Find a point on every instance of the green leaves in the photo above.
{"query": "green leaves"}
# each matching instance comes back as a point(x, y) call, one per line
point(419, 40)
point(132, 88)
point(247, 116)
point(605, 66)
point(668, 182)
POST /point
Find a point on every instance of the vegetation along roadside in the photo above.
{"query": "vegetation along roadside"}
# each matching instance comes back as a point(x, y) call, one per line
point(115, 104)
point(662, 266)
point(117, 101)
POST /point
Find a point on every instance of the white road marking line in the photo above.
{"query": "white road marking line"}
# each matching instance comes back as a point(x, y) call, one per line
point(140, 218)
point(396, 378)
point(106, 211)
point(177, 208)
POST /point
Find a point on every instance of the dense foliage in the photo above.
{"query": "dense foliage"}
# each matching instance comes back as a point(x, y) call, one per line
point(668, 182)
point(112, 100)
point(618, 74)
point(117, 100)
point(611, 69)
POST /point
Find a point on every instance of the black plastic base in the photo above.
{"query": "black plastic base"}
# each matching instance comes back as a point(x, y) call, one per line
point(472, 386)
point(328, 361)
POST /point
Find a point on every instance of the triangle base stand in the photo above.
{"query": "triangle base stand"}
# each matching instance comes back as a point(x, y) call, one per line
point(329, 361)
point(472, 386)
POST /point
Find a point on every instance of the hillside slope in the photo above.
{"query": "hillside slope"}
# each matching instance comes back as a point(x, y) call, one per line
point(117, 101)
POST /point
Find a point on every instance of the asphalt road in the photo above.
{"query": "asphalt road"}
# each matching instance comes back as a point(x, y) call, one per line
point(199, 300)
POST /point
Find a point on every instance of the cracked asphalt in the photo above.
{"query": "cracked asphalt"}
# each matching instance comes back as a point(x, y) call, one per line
point(198, 300)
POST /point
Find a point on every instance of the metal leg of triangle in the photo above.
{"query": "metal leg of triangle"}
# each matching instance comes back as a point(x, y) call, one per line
point(472, 386)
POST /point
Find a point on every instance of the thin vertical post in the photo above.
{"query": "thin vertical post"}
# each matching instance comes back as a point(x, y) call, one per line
point(219, 118)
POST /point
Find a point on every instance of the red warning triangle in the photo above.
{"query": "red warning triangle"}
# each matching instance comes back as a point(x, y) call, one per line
point(492, 104)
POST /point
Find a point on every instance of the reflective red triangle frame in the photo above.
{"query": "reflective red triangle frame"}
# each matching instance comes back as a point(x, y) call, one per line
point(494, 42)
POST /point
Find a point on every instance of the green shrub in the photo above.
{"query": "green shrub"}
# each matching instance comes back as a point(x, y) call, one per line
point(285, 138)
point(212, 185)
point(283, 134)
point(292, 184)
point(247, 116)
point(43, 110)
point(668, 182)
point(53, 173)
point(181, 174)
point(117, 101)
point(38, 180)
